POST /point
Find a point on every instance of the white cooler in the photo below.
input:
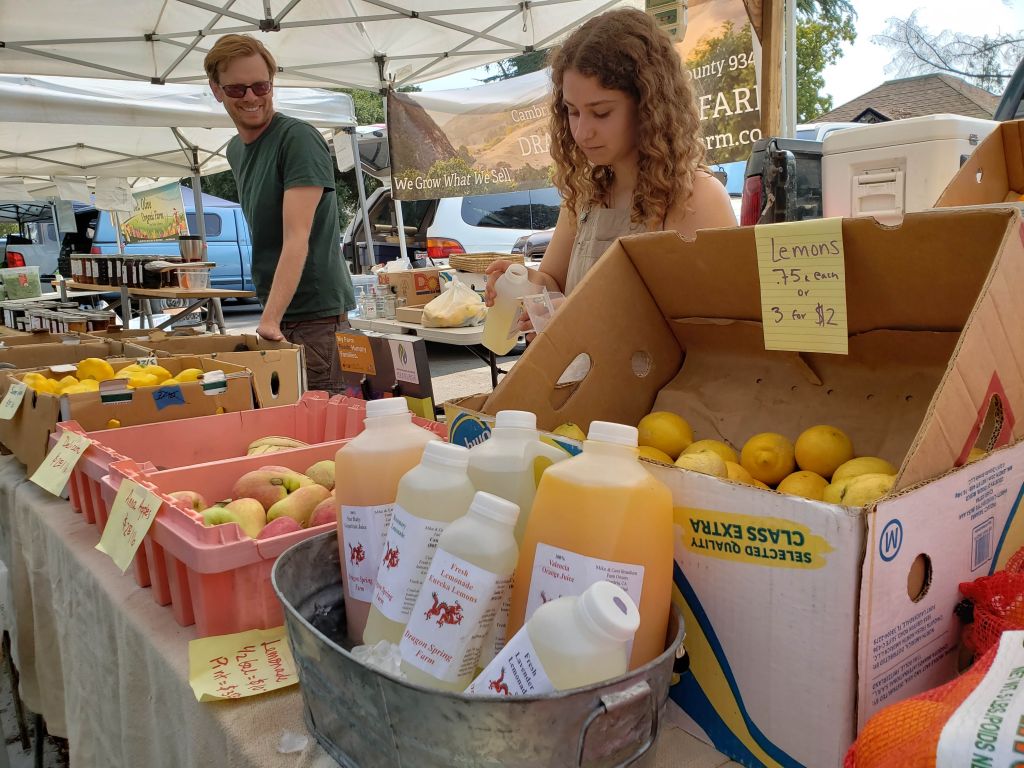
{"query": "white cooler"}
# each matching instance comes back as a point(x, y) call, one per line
point(888, 169)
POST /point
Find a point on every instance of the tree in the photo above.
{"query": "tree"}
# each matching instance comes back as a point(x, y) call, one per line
point(516, 66)
point(984, 60)
point(818, 44)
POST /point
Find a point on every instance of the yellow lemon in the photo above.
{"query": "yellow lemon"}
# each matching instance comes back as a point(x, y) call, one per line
point(137, 380)
point(76, 389)
point(191, 374)
point(975, 454)
point(113, 423)
point(653, 453)
point(666, 431)
point(36, 381)
point(737, 473)
point(169, 382)
point(722, 449)
point(570, 430)
point(759, 484)
point(90, 384)
point(124, 373)
point(768, 457)
point(865, 489)
point(823, 449)
point(95, 368)
point(705, 462)
point(863, 465)
point(67, 381)
point(161, 373)
point(804, 483)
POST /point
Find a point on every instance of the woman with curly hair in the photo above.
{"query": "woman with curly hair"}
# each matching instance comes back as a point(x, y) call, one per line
point(625, 138)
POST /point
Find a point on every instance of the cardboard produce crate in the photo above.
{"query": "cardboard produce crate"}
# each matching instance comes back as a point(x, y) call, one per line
point(804, 618)
point(26, 435)
point(994, 173)
point(416, 286)
point(53, 349)
point(278, 367)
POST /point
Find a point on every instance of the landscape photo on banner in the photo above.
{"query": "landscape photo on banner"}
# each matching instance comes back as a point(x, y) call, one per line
point(159, 214)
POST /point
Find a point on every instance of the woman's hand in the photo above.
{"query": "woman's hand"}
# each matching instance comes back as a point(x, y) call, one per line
point(495, 270)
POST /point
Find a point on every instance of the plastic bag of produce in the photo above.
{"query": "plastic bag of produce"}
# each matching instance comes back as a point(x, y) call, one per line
point(458, 306)
point(21, 282)
point(993, 605)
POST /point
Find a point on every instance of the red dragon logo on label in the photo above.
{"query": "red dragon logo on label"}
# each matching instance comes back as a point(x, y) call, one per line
point(498, 685)
point(356, 554)
point(447, 614)
point(391, 558)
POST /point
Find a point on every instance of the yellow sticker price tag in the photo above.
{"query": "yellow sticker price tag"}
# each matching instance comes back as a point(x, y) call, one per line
point(132, 513)
point(803, 285)
point(239, 665)
point(55, 471)
point(12, 400)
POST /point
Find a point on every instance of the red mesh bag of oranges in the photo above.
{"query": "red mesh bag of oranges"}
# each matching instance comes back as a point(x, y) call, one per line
point(997, 605)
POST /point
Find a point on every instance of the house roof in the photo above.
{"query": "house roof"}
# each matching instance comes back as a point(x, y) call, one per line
point(916, 96)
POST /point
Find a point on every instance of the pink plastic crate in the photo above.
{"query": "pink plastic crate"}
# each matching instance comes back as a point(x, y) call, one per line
point(345, 417)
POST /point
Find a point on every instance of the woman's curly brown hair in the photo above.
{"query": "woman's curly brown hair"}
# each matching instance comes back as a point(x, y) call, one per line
point(626, 51)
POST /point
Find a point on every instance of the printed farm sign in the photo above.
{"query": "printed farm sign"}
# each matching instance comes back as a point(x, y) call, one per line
point(159, 214)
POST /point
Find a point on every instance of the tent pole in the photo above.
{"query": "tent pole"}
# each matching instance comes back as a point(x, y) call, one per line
point(367, 232)
point(399, 218)
point(790, 83)
point(197, 199)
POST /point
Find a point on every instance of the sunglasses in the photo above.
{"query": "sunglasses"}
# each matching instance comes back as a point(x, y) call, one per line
point(237, 90)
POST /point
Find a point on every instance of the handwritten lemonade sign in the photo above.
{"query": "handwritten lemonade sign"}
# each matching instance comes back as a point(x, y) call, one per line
point(239, 665)
point(803, 285)
point(55, 471)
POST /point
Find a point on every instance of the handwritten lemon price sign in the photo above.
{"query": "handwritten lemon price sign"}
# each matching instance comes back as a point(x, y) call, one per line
point(131, 515)
point(239, 665)
point(12, 400)
point(803, 285)
point(55, 471)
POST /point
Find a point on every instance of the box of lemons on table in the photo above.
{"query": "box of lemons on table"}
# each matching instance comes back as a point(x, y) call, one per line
point(705, 462)
point(736, 472)
point(94, 368)
point(647, 452)
point(822, 449)
point(716, 446)
point(768, 457)
point(670, 433)
point(809, 485)
point(860, 490)
point(863, 465)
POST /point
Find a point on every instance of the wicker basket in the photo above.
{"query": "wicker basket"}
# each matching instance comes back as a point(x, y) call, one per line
point(478, 262)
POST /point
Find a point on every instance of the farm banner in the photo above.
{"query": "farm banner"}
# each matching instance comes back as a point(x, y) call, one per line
point(159, 214)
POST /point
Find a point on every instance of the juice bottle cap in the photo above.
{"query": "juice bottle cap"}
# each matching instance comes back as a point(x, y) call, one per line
point(517, 273)
point(610, 610)
point(386, 406)
point(518, 419)
point(609, 432)
point(495, 508)
point(446, 454)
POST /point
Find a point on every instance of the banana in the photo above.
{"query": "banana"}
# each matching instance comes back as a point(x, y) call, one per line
point(273, 444)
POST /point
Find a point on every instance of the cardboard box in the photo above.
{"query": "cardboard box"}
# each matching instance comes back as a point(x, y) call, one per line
point(409, 314)
point(994, 173)
point(416, 286)
point(63, 350)
point(26, 435)
point(804, 618)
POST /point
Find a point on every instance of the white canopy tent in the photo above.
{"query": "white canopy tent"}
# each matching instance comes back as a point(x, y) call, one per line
point(368, 44)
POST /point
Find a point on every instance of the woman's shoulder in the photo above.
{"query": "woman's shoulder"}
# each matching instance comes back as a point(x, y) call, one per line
point(709, 206)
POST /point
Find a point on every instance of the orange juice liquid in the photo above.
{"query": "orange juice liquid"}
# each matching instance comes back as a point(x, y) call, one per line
point(604, 505)
point(368, 477)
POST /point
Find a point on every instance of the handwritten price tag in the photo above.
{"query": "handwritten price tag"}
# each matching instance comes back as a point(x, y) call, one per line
point(134, 510)
point(243, 664)
point(803, 285)
point(53, 474)
point(12, 400)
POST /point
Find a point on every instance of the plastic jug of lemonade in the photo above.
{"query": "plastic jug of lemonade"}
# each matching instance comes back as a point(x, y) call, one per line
point(507, 463)
point(467, 580)
point(501, 330)
point(430, 496)
point(567, 643)
point(600, 516)
point(367, 471)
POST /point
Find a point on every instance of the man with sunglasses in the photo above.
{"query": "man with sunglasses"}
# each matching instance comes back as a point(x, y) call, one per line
point(285, 178)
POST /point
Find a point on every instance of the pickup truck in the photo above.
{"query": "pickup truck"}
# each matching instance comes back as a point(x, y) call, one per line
point(39, 244)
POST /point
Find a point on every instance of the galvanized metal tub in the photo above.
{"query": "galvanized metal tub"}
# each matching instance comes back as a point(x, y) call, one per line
point(366, 719)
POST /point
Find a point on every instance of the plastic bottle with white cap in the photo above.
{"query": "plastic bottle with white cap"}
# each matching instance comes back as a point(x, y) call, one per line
point(600, 516)
point(367, 471)
point(464, 587)
point(501, 328)
point(567, 643)
point(431, 495)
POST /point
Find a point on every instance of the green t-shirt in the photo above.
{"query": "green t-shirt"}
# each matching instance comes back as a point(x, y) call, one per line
point(291, 153)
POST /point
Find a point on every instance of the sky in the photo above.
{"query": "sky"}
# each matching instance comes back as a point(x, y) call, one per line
point(863, 64)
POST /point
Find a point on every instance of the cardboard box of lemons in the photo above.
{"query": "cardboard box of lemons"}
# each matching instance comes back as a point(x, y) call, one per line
point(717, 446)
point(822, 449)
point(94, 368)
point(768, 457)
point(668, 432)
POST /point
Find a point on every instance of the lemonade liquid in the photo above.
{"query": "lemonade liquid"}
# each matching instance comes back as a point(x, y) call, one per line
point(600, 516)
point(501, 326)
point(430, 496)
point(465, 585)
point(367, 471)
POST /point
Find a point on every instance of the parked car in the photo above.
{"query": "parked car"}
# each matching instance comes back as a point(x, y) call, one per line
point(533, 246)
point(40, 245)
point(436, 229)
point(229, 243)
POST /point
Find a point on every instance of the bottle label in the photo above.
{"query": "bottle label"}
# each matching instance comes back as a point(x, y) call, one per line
point(495, 639)
point(408, 550)
point(561, 572)
point(364, 529)
point(454, 611)
point(516, 671)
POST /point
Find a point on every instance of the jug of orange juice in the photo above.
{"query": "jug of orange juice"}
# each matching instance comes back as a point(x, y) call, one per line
point(367, 471)
point(600, 516)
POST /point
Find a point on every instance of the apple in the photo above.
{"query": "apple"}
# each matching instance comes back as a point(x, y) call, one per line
point(279, 526)
point(299, 504)
point(250, 515)
point(322, 473)
point(218, 516)
point(293, 479)
point(193, 499)
point(266, 486)
point(326, 512)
